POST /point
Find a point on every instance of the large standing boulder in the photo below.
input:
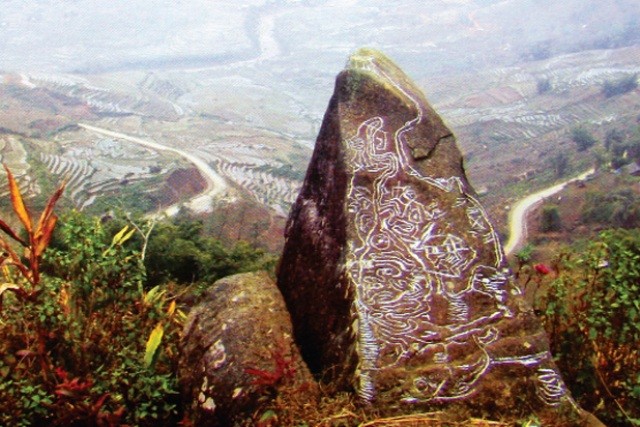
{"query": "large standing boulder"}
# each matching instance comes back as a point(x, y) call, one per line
point(236, 350)
point(395, 278)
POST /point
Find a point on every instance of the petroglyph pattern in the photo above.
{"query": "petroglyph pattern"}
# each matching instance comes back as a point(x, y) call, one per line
point(419, 281)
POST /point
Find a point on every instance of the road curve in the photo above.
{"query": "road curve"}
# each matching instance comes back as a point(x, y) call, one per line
point(215, 183)
point(518, 214)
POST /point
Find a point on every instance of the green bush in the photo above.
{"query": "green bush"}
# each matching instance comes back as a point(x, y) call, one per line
point(624, 147)
point(618, 87)
point(583, 138)
point(612, 138)
point(85, 337)
point(620, 208)
point(550, 219)
point(560, 164)
point(179, 251)
point(77, 352)
point(543, 86)
point(591, 312)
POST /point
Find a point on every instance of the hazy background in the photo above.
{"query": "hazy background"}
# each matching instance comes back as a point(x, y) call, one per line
point(310, 37)
point(244, 86)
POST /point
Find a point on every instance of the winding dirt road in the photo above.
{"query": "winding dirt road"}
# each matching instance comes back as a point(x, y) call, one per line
point(518, 214)
point(215, 183)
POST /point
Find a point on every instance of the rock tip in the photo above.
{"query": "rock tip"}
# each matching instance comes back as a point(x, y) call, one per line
point(367, 55)
point(378, 67)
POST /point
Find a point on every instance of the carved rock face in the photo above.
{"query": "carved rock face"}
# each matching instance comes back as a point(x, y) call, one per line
point(231, 341)
point(394, 276)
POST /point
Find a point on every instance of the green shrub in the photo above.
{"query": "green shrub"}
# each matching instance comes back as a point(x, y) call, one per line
point(583, 138)
point(550, 219)
point(591, 312)
point(620, 208)
point(560, 164)
point(179, 251)
point(79, 345)
point(543, 86)
point(618, 87)
point(89, 328)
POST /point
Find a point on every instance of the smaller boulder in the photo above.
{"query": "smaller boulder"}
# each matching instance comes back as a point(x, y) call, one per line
point(237, 349)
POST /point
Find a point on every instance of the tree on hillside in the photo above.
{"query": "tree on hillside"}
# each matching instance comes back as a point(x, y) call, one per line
point(633, 145)
point(613, 137)
point(620, 208)
point(543, 86)
point(180, 251)
point(550, 219)
point(540, 51)
point(618, 162)
point(560, 164)
point(600, 157)
point(583, 138)
point(620, 86)
point(624, 147)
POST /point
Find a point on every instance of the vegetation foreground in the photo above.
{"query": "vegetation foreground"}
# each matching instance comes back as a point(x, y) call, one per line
point(89, 328)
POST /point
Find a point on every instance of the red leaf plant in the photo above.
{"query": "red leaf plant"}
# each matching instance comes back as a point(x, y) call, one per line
point(542, 269)
point(74, 395)
point(284, 369)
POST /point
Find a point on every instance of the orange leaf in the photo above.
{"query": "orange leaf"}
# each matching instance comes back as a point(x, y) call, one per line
point(43, 236)
point(44, 221)
point(18, 203)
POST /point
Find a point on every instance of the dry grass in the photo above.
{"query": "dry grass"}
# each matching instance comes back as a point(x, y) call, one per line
point(312, 406)
point(435, 419)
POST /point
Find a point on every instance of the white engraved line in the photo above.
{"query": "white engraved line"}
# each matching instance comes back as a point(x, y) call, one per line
point(399, 137)
point(387, 229)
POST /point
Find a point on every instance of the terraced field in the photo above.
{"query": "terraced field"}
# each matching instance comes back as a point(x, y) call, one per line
point(259, 138)
point(95, 166)
point(109, 101)
point(507, 127)
point(14, 156)
point(275, 192)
